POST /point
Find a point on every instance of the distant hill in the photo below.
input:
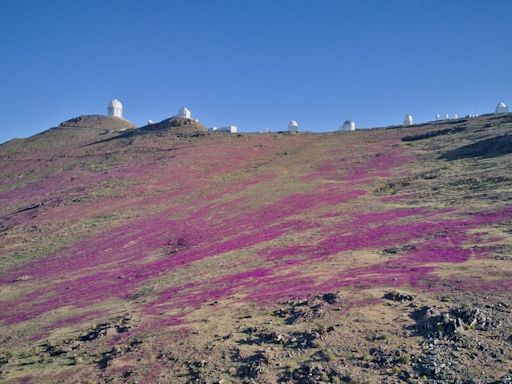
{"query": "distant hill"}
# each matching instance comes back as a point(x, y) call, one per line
point(98, 122)
point(167, 254)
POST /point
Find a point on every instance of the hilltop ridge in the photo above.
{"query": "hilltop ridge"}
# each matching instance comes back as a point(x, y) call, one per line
point(98, 122)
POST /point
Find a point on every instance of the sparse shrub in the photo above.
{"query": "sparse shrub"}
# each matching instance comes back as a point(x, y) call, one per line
point(329, 355)
point(404, 358)
point(396, 370)
point(232, 371)
point(466, 306)
point(365, 356)
point(292, 366)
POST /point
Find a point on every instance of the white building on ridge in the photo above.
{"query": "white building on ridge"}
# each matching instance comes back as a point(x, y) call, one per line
point(293, 126)
point(184, 113)
point(228, 129)
point(115, 108)
point(408, 120)
point(348, 125)
point(501, 108)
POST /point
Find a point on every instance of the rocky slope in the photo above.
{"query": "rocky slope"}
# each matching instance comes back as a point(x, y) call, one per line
point(376, 256)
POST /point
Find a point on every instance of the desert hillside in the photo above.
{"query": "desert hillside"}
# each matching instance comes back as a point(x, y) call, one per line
point(161, 255)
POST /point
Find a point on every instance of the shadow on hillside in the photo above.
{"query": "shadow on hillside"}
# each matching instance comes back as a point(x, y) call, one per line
point(130, 136)
point(488, 148)
point(428, 135)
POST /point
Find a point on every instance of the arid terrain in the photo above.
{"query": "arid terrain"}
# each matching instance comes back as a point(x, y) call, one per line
point(167, 256)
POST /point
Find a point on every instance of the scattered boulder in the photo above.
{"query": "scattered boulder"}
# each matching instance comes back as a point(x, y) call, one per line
point(433, 365)
point(106, 357)
point(313, 373)
point(330, 298)
point(299, 311)
point(398, 296)
point(401, 249)
point(253, 365)
point(507, 379)
point(306, 339)
point(260, 337)
point(196, 370)
point(452, 336)
point(120, 325)
point(436, 324)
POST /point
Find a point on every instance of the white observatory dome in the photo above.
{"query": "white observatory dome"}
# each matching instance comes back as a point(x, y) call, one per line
point(184, 113)
point(501, 108)
point(349, 125)
point(115, 108)
point(293, 126)
point(408, 120)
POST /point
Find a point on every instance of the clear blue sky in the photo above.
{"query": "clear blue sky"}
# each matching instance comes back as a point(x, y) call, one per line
point(253, 63)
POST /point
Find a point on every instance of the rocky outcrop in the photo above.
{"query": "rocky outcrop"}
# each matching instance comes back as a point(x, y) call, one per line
point(177, 125)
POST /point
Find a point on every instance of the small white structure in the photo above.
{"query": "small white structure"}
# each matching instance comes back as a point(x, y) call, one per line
point(501, 108)
point(115, 108)
point(455, 116)
point(293, 126)
point(151, 122)
point(447, 117)
point(228, 129)
point(408, 120)
point(348, 125)
point(438, 116)
point(184, 113)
